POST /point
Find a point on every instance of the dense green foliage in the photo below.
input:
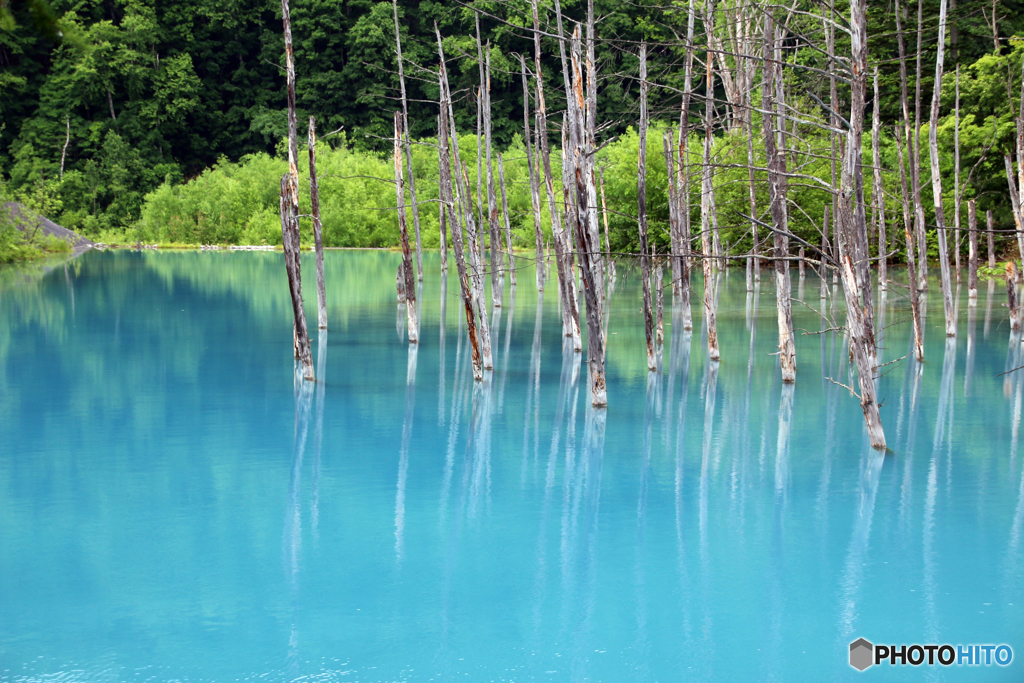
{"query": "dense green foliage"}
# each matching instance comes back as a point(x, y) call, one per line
point(147, 95)
point(237, 203)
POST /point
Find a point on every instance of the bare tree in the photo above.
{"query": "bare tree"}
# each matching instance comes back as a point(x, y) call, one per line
point(853, 232)
point(933, 154)
point(641, 179)
point(777, 199)
point(318, 240)
point(408, 148)
point(403, 233)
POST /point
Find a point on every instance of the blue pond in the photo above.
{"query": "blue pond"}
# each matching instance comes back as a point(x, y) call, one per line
point(172, 508)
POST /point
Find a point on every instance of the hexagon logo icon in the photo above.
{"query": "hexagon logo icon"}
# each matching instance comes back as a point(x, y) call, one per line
point(862, 654)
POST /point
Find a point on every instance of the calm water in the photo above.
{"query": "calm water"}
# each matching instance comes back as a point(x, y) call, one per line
point(170, 509)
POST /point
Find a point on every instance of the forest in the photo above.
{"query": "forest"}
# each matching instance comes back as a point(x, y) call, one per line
point(131, 120)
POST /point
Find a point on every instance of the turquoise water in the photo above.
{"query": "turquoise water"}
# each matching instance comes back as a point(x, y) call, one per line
point(171, 509)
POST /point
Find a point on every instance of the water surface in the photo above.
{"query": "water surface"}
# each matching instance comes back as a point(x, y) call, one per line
point(171, 508)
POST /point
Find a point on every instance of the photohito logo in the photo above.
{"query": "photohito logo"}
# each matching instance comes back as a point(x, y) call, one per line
point(863, 654)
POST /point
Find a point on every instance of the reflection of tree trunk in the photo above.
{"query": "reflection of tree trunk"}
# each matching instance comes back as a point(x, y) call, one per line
point(642, 645)
point(403, 455)
point(914, 372)
point(318, 435)
point(831, 400)
point(458, 391)
point(682, 349)
point(441, 375)
point(508, 346)
point(972, 318)
point(533, 391)
point(1016, 381)
point(853, 572)
point(988, 305)
point(292, 549)
point(945, 417)
point(972, 255)
point(703, 492)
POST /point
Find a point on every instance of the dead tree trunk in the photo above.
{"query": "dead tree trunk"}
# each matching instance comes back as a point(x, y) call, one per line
point(956, 170)
point(290, 197)
point(534, 183)
point(476, 269)
point(641, 179)
point(542, 137)
point(825, 252)
point(830, 47)
point(878, 191)
point(563, 245)
point(1020, 167)
point(853, 232)
point(675, 234)
point(403, 233)
point(479, 162)
point(567, 234)
point(590, 160)
point(707, 232)
point(990, 231)
point(442, 216)
point(64, 150)
point(290, 241)
point(293, 126)
point(933, 154)
point(400, 282)
point(1011, 295)
point(581, 178)
point(479, 143)
point(408, 148)
point(915, 298)
point(293, 135)
point(659, 298)
point(915, 168)
point(318, 240)
point(604, 215)
point(972, 257)
point(683, 179)
point(497, 288)
point(755, 248)
point(777, 199)
point(454, 196)
point(1015, 202)
point(508, 227)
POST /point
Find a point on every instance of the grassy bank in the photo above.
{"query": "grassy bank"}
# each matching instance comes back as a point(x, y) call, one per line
point(19, 245)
